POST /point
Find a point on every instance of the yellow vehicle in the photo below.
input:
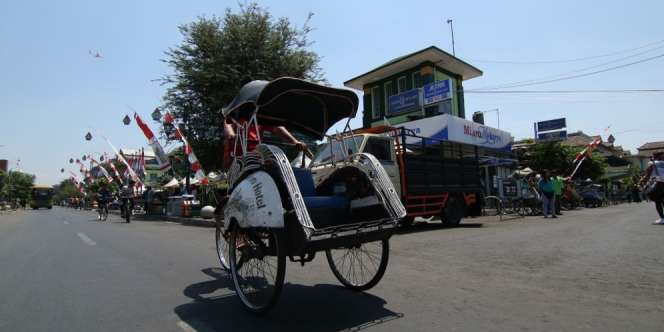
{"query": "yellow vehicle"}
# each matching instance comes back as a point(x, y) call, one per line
point(42, 197)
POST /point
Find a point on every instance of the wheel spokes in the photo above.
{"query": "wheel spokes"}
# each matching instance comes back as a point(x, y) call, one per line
point(358, 264)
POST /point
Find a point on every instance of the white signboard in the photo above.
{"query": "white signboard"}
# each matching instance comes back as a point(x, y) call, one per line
point(451, 128)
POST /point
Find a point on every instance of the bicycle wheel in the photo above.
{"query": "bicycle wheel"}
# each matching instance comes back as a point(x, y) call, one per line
point(127, 214)
point(222, 248)
point(359, 267)
point(257, 260)
point(104, 213)
point(492, 203)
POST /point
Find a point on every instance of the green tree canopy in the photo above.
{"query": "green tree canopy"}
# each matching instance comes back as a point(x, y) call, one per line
point(559, 159)
point(217, 55)
point(65, 190)
point(15, 185)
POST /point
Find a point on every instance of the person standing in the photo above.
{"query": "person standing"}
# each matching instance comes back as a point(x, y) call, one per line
point(548, 196)
point(557, 193)
point(654, 181)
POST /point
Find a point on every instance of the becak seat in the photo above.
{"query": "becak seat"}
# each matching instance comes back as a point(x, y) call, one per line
point(325, 211)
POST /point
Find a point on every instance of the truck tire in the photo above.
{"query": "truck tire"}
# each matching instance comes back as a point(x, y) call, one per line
point(453, 211)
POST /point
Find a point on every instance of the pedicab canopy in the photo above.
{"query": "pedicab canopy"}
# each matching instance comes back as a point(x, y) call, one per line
point(294, 103)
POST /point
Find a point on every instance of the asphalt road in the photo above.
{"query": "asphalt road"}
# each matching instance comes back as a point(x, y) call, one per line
point(593, 269)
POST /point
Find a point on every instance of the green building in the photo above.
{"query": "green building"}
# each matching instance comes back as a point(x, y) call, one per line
point(425, 83)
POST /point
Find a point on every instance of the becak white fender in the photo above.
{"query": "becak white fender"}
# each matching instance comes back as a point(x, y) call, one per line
point(255, 202)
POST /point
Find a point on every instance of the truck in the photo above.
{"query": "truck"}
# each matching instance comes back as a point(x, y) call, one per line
point(435, 178)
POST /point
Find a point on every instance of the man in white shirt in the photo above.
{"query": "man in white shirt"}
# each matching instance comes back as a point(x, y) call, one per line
point(654, 184)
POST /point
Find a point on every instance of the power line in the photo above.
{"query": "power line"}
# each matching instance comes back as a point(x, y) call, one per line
point(511, 84)
point(654, 91)
point(580, 75)
point(567, 60)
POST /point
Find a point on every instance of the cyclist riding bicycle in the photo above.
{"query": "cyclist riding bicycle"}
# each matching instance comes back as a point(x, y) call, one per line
point(103, 197)
point(127, 197)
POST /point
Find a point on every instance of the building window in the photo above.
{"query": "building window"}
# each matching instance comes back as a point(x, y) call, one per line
point(375, 102)
point(387, 93)
point(417, 80)
point(401, 84)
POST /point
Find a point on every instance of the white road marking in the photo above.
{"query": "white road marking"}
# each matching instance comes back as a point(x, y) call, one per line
point(86, 239)
point(200, 327)
point(66, 222)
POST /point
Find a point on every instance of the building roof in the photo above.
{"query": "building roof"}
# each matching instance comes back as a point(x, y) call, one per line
point(137, 152)
point(579, 139)
point(432, 53)
point(652, 146)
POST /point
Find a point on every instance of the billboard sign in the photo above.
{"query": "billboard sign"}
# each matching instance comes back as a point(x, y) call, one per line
point(552, 136)
point(406, 101)
point(551, 130)
point(549, 125)
point(451, 128)
point(437, 91)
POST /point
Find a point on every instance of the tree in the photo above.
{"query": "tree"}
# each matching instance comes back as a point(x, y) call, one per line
point(65, 190)
point(16, 185)
point(559, 159)
point(217, 56)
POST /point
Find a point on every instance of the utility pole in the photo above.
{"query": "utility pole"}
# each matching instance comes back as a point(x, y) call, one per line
point(185, 118)
point(449, 21)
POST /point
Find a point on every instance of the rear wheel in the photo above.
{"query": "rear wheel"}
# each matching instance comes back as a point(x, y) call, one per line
point(453, 211)
point(359, 267)
point(257, 259)
point(104, 213)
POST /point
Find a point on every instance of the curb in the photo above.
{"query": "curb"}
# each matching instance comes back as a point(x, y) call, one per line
point(200, 222)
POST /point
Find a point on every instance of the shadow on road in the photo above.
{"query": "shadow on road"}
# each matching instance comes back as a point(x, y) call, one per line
point(424, 226)
point(300, 308)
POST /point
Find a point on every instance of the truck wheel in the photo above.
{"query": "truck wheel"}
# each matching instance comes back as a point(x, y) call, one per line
point(453, 211)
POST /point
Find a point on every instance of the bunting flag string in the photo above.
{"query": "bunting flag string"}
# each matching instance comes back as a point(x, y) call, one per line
point(101, 168)
point(133, 175)
point(160, 155)
point(199, 174)
point(85, 170)
point(116, 174)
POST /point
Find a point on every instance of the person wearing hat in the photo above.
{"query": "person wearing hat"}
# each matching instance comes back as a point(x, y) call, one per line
point(654, 184)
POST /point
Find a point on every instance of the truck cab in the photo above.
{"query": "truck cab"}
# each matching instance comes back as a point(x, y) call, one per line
point(333, 151)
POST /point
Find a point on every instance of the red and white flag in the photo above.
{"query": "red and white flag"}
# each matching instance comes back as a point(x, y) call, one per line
point(162, 158)
point(199, 174)
point(101, 168)
point(581, 156)
point(133, 174)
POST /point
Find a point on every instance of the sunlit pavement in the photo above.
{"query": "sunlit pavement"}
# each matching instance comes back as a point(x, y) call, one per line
point(592, 269)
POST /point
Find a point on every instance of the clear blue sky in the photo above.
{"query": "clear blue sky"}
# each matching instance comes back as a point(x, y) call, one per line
point(53, 91)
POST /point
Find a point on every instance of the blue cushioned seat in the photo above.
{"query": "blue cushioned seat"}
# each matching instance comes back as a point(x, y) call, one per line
point(324, 211)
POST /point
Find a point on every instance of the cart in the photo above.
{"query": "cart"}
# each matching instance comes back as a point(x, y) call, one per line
point(276, 211)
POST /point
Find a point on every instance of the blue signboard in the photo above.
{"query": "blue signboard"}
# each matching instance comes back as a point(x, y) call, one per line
point(554, 124)
point(403, 102)
point(437, 91)
point(552, 136)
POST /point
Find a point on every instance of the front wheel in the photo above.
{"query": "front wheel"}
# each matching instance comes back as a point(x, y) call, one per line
point(222, 247)
point(257, 260)
point(127, 213)
point(359, 267)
